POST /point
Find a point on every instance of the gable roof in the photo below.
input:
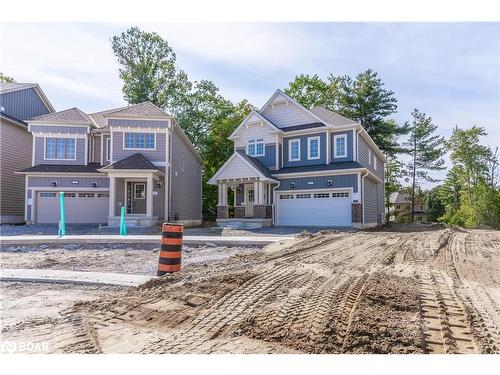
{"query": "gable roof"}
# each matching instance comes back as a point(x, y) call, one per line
point(280, 92)
point(255, 168)
point(68, 116)
point(99, 117)
point(331, 117)
point(261, 117)
point(6, 87)
point(144, 109)
point(135, 161)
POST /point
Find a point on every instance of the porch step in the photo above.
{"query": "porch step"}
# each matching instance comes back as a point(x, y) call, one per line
point(244, 223)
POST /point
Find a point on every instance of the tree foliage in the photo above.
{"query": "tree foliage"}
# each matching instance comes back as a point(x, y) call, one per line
point(4, 78)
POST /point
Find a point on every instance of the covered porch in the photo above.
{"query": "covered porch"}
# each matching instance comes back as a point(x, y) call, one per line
point(245, 193)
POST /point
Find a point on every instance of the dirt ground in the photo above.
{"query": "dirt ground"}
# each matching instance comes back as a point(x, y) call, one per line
point(410, 289)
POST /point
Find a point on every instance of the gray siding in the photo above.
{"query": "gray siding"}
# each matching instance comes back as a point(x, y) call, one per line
point(363, 155)
point(240, 195)
point(15, 154)
point(97, 148)
point(64, 182)
point(321, 182)
point(138, 123)
point(269, 159)
point(349, 156)
point(159, 199)
point(59, 129)
point(381, 200)
point(153, 155)
point(303, 151)
point(105, 146)
point(23, 104)
point(370, 201)
point(120, 199)
point(40, 157)
point(185, 183)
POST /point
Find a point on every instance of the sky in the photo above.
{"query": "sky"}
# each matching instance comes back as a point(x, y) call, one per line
point(450, 71)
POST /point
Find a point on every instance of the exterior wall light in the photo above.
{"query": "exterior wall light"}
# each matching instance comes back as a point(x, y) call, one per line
point(329, 182)
point(94, 184)
point(53, 183)
point(292, 185)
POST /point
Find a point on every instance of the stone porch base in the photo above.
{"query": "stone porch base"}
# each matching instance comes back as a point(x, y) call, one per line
point(240, 223)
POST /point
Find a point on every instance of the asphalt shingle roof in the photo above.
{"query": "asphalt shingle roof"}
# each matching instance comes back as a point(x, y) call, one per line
point(331, 117)
point(135, 161)
point(61, 168)
point(320, 167)
point(141, 109)
point(99, 117)
point(303, 126)
point(68, 116)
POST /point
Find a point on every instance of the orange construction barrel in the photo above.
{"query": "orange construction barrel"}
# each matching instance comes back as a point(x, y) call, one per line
point(170, 249)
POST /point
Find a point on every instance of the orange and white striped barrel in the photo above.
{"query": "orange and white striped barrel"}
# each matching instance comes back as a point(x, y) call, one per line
point(170, 249)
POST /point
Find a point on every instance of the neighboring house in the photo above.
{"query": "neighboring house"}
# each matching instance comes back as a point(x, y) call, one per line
point(294, 166)
point(136, 157)
point(400, 208)
point(18, 102)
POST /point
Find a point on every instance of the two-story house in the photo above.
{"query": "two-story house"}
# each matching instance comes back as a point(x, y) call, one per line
point(18, 103)
point(136, 157)
point(400, 208)
point(299, 167)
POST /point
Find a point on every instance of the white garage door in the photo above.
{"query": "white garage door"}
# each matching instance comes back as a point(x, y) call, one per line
point(315, 208)
point(80, 207)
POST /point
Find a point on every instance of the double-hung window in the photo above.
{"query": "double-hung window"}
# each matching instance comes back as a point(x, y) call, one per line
point(340, 145)
point(60, 148)
point(139, 141)
point(255, 147)
point(294, 150)
point(313, 148)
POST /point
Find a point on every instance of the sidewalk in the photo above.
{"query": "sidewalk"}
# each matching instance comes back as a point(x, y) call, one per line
point(73, 277)
point(145, 238)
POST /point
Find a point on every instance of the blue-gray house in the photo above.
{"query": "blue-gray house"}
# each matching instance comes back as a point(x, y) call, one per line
point(299, 167)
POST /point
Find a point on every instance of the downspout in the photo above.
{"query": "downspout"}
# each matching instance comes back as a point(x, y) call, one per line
point(275, 212)
point(363, 198)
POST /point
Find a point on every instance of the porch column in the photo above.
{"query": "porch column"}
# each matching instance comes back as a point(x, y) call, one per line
point(222, 209)
point(149, 197)
point(262, 187)
point(224, 195)
point(256, 195)
point(111, 196)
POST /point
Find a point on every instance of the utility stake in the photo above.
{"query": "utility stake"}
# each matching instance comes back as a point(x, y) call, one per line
point(62, 222)
point(123, 227)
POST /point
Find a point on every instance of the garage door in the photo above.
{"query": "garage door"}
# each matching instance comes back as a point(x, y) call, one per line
point(315, 208)
point(80, 207)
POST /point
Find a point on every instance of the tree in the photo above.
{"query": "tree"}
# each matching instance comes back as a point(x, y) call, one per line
point(425, 149)
point(493, 164)
point(434, 204)
point(147, 68)
point(4, 78)
point(364, 99)
point(393, 171)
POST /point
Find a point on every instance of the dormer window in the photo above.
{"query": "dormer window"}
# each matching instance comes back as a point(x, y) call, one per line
point(255, 147)
point(60, 148)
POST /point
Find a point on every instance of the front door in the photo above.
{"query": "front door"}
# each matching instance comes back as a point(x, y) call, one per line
point(249, 199)
point(136, 197)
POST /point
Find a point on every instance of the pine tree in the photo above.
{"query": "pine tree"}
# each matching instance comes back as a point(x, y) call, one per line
point(425, 149)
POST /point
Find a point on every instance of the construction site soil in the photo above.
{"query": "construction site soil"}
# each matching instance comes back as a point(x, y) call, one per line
point(406, 289)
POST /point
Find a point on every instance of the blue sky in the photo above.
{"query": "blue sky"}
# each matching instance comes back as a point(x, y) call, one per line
point(451, 71)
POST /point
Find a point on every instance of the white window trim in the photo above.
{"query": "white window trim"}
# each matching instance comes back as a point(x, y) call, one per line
point(290, 141)
point(108, 149)
point(45, 148)
point(309, 140)
point(256, 141)
point(374, 162)
point(139, 148)
point(135, 190)
point(335, 137)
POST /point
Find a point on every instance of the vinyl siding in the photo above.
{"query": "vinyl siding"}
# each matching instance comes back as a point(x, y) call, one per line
point(185, 183)
point(363, 155)
point(65, 182)
point(105, 146)
point(23, 104)
point(39, 153)
point(303, 151)
point(120, 199)
point(370, 201)
point(321, 182)
point(97, 148)
point(157, 155)
point(240, 195)
point(349, 147)
point(138, 123)
point(74, 129)
point(269, 158)
point(159, 199)
point(285, 115)
point(255, 132)
point(15, 154)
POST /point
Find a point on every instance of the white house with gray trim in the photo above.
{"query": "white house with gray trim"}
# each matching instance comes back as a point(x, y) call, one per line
point(293, 166)
point(136, 157)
